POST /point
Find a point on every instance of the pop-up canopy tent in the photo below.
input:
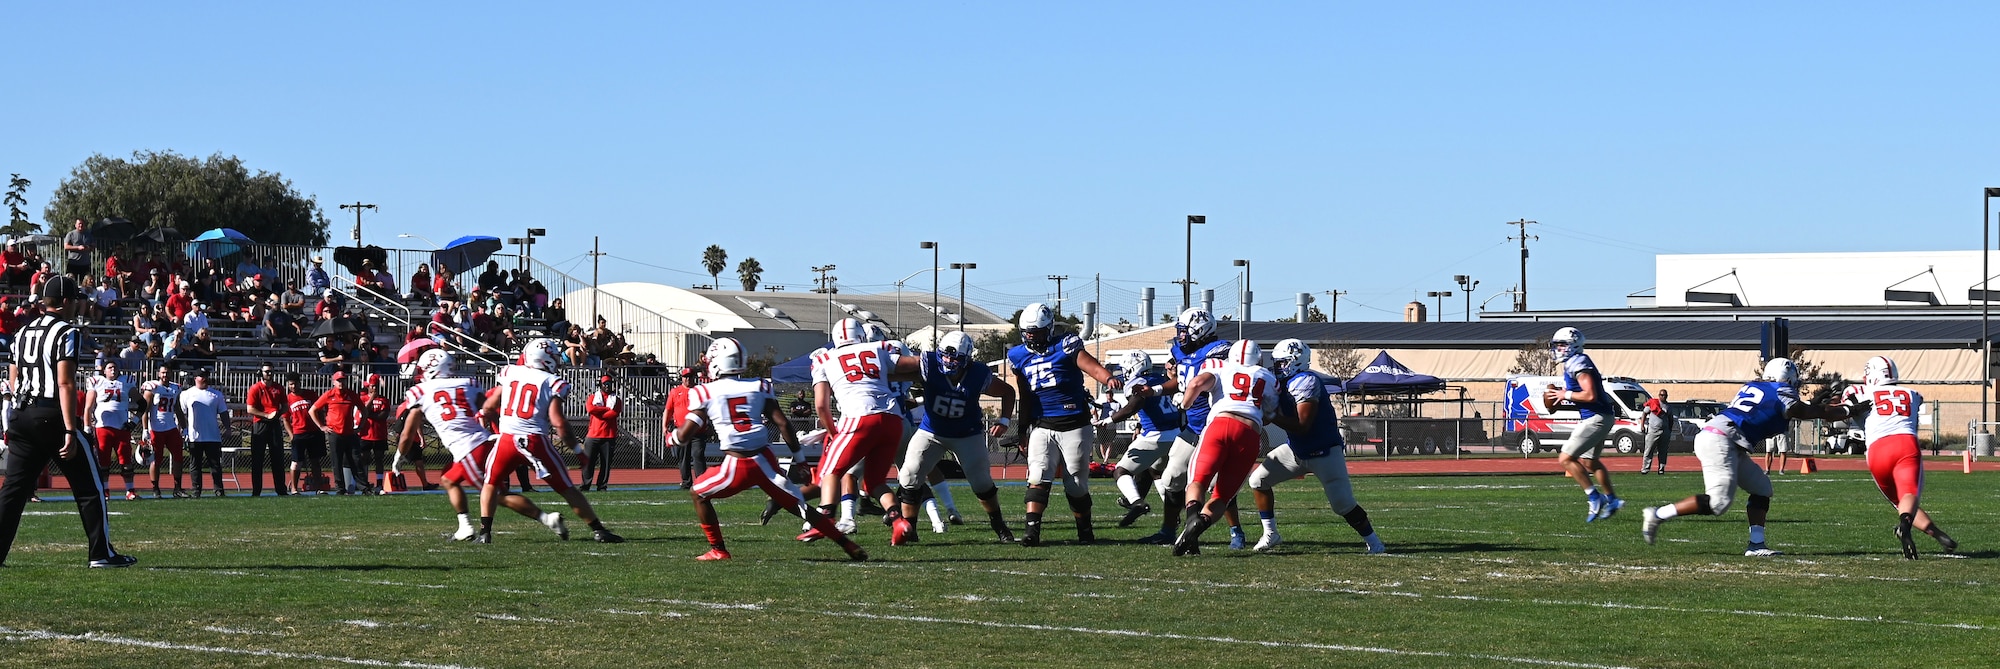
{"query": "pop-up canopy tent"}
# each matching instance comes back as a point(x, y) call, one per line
point(1385, 376)
point(795, 370)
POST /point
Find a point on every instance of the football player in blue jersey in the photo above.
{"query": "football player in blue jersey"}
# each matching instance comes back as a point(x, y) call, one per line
point(1313, 445)
point(1583, 390)
point(1762, 408)
point(1159, 424)
point(952, 423)
point(1049, 368)
point(1195, 347)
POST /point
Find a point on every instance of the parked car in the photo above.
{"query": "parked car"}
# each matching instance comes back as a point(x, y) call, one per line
point(1533, 427)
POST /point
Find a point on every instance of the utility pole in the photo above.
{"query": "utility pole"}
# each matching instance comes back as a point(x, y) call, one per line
point(594, 255)
point(1521, 299)
point(826, 286)
point(357, 207)
point(1333, 308)
point(1187, 280)
point(1059, 278)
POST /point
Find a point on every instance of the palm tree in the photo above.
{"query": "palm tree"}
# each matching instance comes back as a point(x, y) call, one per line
point(714, 259)
point(749, 272)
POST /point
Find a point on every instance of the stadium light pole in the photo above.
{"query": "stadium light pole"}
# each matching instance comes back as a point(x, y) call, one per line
point(426, 240)
point(1440, 295)
point(933, 246)
point(1466, 284)
point(961, 267)
point(1243, 297)
point(899, 295)
point(1985, 303)
point(1187, 280)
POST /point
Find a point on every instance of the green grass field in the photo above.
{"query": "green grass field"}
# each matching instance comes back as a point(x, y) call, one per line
point(1483, 571)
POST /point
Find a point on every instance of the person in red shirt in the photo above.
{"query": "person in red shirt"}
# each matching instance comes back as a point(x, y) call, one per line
point(692, 456)
point(598, 444)
point(268, 407)
point(308, 444)
point(15, 272)
point(179, 301)
point(116, 274)
point(375, 408)
point(337, 412)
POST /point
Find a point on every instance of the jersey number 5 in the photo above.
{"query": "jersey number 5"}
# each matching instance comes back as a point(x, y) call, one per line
point(1892, 403)
point(860, 366)
point(739, 414)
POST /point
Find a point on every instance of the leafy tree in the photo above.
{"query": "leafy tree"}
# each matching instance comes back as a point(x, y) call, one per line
point(714, 259)
point(758, 365)
point(190, 195)
point(1340, 357)
point(17, 219)
point(1817, 385)
point(1534, 359)
point(1314, 315)
point(749, 272)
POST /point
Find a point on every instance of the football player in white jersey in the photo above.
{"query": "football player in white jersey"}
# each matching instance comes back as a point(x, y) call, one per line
point(744, 413)
point(447, 400)
point(855, 373)
point(1241, 395)
point(110, 413)
point(527, 398)
point(1894, 459)
point(163, 427)
point(1312, 446)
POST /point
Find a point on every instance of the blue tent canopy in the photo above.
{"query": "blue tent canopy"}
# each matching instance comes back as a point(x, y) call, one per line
point(795, 370)
point(1386, 376)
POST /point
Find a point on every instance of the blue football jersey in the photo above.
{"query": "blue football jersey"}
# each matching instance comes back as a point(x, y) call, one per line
point(951, 409)
point(1054, 381)
point(1158, 413)
point(1186, 366)
point(1323, 435)
point(1759, 409)
point(1577, 364)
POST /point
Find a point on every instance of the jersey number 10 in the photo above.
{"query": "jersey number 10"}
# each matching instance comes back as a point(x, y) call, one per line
point(524, 397)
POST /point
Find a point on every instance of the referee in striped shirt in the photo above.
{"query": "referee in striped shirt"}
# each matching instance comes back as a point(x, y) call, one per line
point(45, 423)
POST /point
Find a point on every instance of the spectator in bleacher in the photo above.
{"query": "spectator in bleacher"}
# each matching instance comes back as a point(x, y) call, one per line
point(14, 267)
point(280, 326)
point(144, 326)
point(334, 352)
point(443, 319)
point(308, 444)
point(600, 343)
point(538, 297)
point(76, 250)
point(178, 343)
point(42, 273)
point(293, 302)
point(387, 282)
point(200, 347)
point(246, 268)
point(445, 286)
point(329, 306)
point(576, 347)
point(367, 279)
point(180, 302)
point(11, 319)
point(132, 358)
point(556, 316)
point(421, 287)
point(197, 319)
point(116, 271)
point(492, 280)
point(156, 288)
point(211, 281)
point(107, 296)
point(317, 283)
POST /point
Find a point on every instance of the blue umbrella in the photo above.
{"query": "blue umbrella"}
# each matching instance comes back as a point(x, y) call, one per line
point(218, 243)
point(465, 253)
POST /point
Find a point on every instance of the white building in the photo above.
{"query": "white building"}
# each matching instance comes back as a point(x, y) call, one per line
point(1842, 279)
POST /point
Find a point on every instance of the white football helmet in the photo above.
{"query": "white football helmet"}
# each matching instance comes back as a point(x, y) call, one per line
point(954, 351)
point(875, 332)
point(1291, 357)
point(1566, 343)
point(1880, 371)
point(1135, 363)
point(541, 353)
point(849, 331)
point(725, 357)
point(1781, 371)
point(1037, 324)
point(1246, 352)
point(1194, 325)
point(437, 363)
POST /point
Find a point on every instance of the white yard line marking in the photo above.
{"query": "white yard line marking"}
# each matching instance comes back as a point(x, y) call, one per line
point(663, 614)
point(227, 630)
point(512, 617)
point(11, 634)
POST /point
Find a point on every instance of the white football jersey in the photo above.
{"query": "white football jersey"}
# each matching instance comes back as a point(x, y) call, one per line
point(735, 406)
point(1244, 390)
point(859, 374)
point(114, 400)
point(451, 405)
point(525, 394)
point(1890, 409)
point(160, 416)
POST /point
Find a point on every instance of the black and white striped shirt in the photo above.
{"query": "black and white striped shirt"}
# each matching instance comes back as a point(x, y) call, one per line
point(46, 341)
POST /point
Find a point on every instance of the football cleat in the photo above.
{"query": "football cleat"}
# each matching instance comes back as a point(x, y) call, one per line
point(1160, 538)
point(857, 555)
point(464, 533)
point(1596, 508)
point(1237, 539)
point(714, 554)
point(1375, 547)
point(1032, 538)
point(1758, 549)
point(937, 527)
point(902, 532)
point(131, 495)
point(955, 519)
point(606, 537)
point(484, 537)
point(1903, 536)
point(845, 525)
point(810, 536)
point(1649, 525)
point(1006, 536)
point(1611, 507)
point(1086, 534)
point(1946, 543)
point(114, 562)
point(1269, 541)
point(1133, 510)
point(554, 521)
point(771, 510)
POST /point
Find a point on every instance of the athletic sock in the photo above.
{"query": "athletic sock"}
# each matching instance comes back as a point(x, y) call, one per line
point(1357, 518)
point(1034, 521)
point(486, 523)
point(942, 492)
point(1756, 534)
point(1170, 517)
point(597, 526)
point(714, 534)
point(1269, 520)
point(1591, 493)
point(848, 505)
point(1129, 486)
point(1666, 512)
point(931, 509)
point(465, 520)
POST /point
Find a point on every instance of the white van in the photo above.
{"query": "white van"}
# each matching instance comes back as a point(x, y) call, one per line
point(1534, 427)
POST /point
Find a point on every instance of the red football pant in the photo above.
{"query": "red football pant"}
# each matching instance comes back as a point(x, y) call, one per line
point(114, 442)
point(1898, 468)
point(517, 450)
point(740, 472)
point(471, 469)
point(871, 440)
point(169, 441)
point(1227, 453)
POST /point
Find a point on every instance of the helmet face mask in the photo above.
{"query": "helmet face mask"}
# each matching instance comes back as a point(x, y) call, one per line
point(1135, 364)
point(955, 352)
point(1880, 371)
point(541, 353)
point(1291, 357)
point(1194, 325)
point(437, 363)
point(725, 357)
point(1567, 342)
point(1037, 326)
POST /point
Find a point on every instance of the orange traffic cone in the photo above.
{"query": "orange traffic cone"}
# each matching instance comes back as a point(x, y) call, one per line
point(1808, 466)
point(1968, 459)
point(393, 483)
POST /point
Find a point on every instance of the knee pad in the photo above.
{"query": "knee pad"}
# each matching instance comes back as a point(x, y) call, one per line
point(1703, 506)
point(1759, 503)
point(1079, 503)
point(912, 495)
point(988, 494)
point(1038, 495)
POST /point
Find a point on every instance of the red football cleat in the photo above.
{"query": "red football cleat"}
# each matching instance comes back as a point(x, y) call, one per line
point(714, 554)
point(902, 532)
point(810, 536)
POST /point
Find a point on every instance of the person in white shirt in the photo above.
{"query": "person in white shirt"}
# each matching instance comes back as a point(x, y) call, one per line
point(108, 413)
point(196, 321)
point(1241, 396)
point(527, 398)
point(447, 400)
point(206, 408)
point(1889, 413)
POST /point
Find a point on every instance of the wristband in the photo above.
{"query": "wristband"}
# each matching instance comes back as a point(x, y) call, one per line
point(1003, 421)
point(1565, 396)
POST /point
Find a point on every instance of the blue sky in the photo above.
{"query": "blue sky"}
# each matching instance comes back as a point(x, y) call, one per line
point(1361, 147)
